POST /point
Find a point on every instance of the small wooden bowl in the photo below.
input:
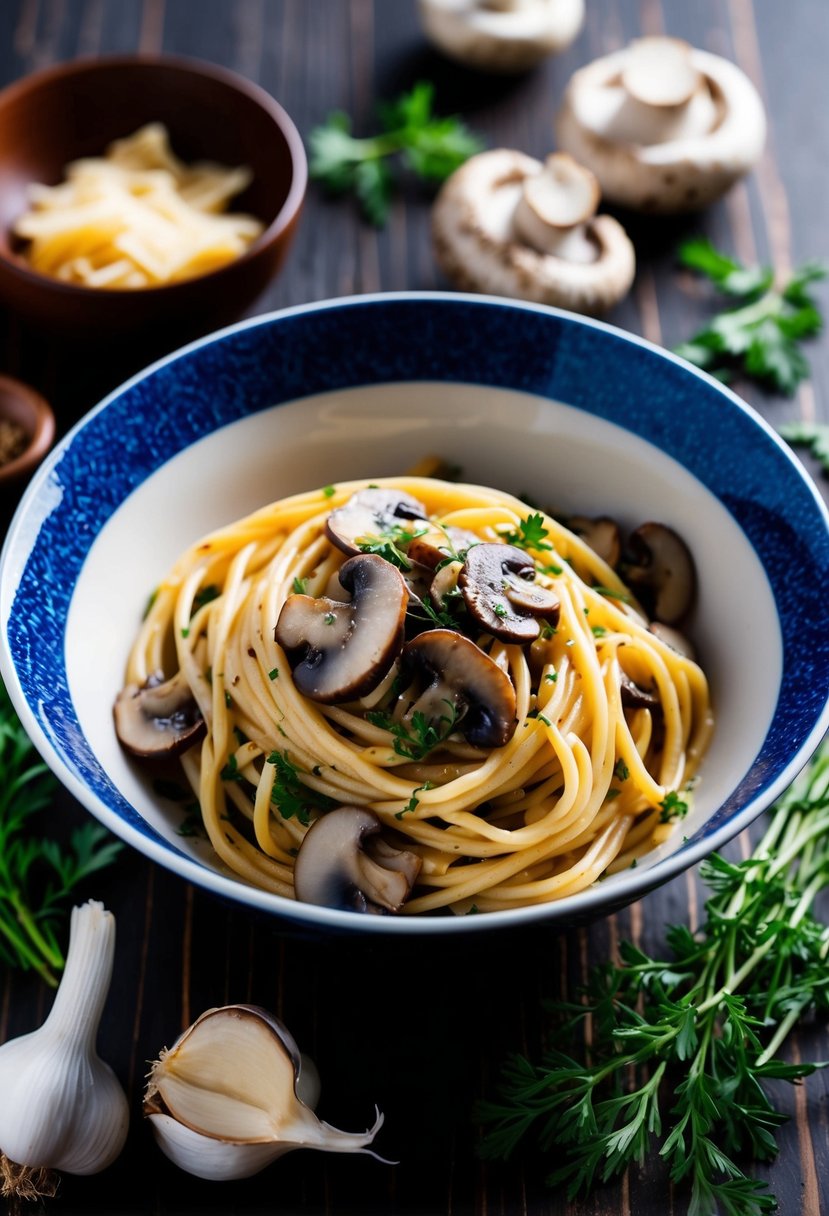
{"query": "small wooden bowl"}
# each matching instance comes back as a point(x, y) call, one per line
point(24, 408)
point(76, 109)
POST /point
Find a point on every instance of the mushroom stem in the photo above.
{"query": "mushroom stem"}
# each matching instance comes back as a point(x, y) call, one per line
point(554, 207)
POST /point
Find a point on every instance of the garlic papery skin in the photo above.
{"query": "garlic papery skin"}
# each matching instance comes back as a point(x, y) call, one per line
point(61, 1106)
point(225, 1101)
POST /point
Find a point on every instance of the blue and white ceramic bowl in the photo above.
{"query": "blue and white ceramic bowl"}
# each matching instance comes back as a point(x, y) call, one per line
point(572, 412)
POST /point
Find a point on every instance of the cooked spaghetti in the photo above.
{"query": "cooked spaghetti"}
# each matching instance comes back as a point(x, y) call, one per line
point(584, 784)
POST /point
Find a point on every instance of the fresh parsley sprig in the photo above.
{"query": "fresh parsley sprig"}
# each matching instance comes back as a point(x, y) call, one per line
point(419, 735)
point(761, 336)
point(428, 146)
point(812, 435)
point(672, 1055)
point(37, 875)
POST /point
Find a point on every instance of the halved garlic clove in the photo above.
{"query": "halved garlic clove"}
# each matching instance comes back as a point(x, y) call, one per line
point(227, 1098)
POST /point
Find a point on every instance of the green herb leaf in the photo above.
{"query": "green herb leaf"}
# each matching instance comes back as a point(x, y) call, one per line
point(760, 337)
point(424, 144)
point(671, 1056)
point(530, 534)
point(292, 798)
point(813, 435)
point(418, 736)
point(38, 876)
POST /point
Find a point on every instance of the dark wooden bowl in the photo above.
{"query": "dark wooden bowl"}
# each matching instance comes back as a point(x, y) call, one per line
point(76, 109)
point(25, 408)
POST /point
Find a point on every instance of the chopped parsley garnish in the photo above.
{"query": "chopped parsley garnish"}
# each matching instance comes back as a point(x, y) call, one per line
point(672, 807)
point(610, 594)
point(419, 736)
point(294, 799)
point(192, 824)
point(390, 543)
point(551, 677)
point(598, 631)
point(329, 618)
point(329, 491)
point(414, 801)
point(231, 771)
point(500, 610)
point(621, 771)
point(300, 586)
point(273, 674)
point(530, 534)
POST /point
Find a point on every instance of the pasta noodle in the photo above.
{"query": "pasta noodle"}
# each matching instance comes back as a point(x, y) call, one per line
point(137, 217)
point(582, 786)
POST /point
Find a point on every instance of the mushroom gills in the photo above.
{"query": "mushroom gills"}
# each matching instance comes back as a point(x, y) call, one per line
point(159, 718)
point(453, 674)
point(341, 651)
point(344, 862)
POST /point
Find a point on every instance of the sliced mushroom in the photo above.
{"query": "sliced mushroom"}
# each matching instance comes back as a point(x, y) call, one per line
point(662, 566)
point(506, 224)
point(501, 35)
point(663, 126)
point(634, 696)
point(498, 587)
point(344, 862)
point(371, 512)
point(455, 675)
point(159, 718)
point(339, 651)
point(440, 544)
point(445, 583)
point(601, 533)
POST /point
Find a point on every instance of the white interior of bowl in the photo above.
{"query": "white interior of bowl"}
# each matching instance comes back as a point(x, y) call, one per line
point(562, 457)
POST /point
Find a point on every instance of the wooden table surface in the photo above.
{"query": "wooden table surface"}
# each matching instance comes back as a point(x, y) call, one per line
point(418, 1029)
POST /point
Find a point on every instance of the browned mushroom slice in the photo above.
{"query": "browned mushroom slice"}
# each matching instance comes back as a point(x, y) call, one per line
point(160, 718)
point(661, 565)
point(497, 583)
point(339, 651)
point(441, 545)
point(455, 675)
point(634, 696)
point(344, 862)
point(601, 533)
point(372, 512)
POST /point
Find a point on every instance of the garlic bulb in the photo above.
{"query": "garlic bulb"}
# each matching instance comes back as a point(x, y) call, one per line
point(232, 1094)
point(62, 1107)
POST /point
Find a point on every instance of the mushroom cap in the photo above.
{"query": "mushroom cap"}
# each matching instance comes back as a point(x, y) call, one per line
point(601, 533)
point(662, 564)
point(478, 247)
point(458, 673)
point(159, 718)
point(499, 589)
point(501, 35)
point(344, 862)
point(621, 118)
point(339, 651)
point(370, 512)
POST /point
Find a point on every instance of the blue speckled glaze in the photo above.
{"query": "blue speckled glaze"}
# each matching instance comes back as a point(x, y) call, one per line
point(374, 340)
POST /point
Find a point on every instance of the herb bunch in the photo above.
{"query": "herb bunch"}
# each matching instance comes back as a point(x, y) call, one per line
point(426, 145)
point(37, 876)
point(761, 336)
point(674, 1053)
point(812, 435)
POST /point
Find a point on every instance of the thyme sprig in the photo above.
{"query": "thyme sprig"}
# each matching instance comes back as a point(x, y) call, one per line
point(680, 1049)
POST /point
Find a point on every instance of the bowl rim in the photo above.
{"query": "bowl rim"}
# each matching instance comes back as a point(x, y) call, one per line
point(591, 903)
point(194, 66)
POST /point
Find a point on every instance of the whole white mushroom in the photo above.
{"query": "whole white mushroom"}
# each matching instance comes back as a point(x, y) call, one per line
point(501, 35)
point(665, 127)
point(510, 225)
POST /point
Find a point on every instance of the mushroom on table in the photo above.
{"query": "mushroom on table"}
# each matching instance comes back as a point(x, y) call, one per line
point(665, 127)
point(510, 225)
point(501, 35)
